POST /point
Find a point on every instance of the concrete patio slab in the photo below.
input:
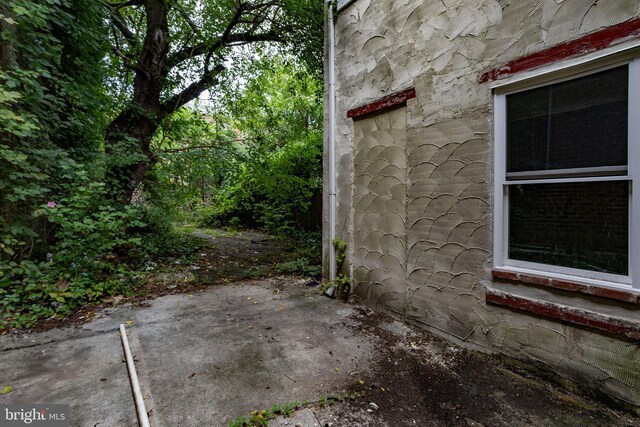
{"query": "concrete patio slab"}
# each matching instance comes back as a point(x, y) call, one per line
point(202, 359)
point(82, 370)
point(207, 358)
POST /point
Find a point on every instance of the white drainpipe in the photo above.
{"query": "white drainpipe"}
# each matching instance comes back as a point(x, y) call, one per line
point(332, 141)
point(143, 417)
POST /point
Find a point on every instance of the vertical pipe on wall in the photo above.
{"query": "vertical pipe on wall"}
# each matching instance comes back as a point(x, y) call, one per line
point(332, 140)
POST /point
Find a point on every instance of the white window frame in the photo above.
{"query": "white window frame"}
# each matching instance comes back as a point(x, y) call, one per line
point(547, 76)
point(344, 3)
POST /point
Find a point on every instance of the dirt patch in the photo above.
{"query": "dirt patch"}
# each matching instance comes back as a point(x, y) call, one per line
point(420, 380)
point(223, 257)
point(233, 256)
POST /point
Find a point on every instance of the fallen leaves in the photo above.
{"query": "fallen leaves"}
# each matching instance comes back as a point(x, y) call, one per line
point(7, 389)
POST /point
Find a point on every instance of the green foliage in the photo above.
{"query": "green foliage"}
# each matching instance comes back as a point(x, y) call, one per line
point(342, 281)
point(62, 244)
point(90, 257)
point(81, 264)
point(300, 266)
point(49, 101)
point(322, 402)
point(257, 161)
point(304, 251)
point(262, 418)
point(195, 156)
point(277, 174)
point(85, 228)
point(341, 251)
point(63, 241)
point(53, 83)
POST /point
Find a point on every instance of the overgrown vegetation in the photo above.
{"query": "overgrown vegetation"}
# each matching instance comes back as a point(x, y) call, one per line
point(340, 286)
point(256, 160)
point(262, 418)
point(88, 194)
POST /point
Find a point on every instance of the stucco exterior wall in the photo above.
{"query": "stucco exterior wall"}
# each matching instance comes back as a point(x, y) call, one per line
point(442, 47)
point(380, 210)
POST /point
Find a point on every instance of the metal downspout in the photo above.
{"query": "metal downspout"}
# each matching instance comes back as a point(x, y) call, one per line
point(332, 141)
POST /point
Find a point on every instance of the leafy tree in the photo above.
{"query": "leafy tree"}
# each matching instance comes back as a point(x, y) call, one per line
point(177, 49)
point(196, 153)
point(51, 114)
point(277, 173)
point(256, 159)
point(54, 227)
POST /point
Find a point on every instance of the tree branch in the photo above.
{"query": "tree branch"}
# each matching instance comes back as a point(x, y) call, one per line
point(188, 19)
point(126, 61)
point(233, 39)
point(201, 147)
point(192, 91)
point(118, 22)
point(118, 6)
point(232, 24)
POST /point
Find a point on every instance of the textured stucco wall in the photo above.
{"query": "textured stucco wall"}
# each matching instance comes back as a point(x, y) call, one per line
point(441, 47)
point(380, 213)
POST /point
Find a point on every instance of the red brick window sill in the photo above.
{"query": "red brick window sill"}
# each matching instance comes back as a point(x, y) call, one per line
point(632, 297)
point(575, 316)
point(627, 328)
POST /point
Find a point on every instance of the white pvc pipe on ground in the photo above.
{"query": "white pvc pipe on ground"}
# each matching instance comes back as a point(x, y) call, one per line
point(143, 417)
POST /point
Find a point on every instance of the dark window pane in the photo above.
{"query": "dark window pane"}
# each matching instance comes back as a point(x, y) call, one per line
point(574, 124)
point(577, 225)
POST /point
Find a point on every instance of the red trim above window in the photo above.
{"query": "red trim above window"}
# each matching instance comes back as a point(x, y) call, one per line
point(393, 100)
point(566, 285)
point(589, 43)
point(566, 314)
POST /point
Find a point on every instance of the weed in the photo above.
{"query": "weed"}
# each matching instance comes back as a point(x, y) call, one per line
point(262, 418)
point(257, 272)
point(300, 266)
point(322, 402)
point(239, 422)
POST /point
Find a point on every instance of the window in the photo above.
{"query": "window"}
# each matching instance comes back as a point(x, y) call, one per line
point(566, 156)
point(343, 3)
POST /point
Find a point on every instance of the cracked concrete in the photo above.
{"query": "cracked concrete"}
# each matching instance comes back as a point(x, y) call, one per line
point(202, 359)
point(210, 357)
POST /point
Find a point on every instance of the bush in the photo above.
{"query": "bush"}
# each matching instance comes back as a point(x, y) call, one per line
point(304, 252)
point(87, 238)
point(272, 193)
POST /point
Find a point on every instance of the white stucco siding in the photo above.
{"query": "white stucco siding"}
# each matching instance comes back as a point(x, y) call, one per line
point(442, 47)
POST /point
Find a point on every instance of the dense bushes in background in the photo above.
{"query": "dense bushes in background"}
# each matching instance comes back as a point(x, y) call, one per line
point(62, 242)
point(256, 160)
point(262, 152)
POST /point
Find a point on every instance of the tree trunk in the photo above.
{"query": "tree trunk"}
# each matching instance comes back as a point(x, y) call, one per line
point(128, 137)
point(129, 157)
